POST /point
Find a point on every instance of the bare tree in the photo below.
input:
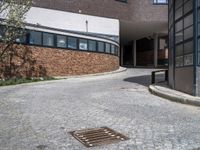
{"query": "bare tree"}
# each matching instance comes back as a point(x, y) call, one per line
point(12, 21)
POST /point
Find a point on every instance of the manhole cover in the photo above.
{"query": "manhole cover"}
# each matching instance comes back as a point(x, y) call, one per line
point(98, 136)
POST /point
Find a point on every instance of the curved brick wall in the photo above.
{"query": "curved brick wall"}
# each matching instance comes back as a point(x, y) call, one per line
point(60, 62)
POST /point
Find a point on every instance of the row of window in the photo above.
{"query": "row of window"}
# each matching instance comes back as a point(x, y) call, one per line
point(68, 42)
point(184, 32)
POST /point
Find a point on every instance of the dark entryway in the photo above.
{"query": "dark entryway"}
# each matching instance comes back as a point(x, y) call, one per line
point(145, 53)
point(128, 55)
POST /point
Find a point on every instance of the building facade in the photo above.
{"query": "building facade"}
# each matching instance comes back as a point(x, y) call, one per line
point(184, 45)
point(141, 21)
point(70, 37)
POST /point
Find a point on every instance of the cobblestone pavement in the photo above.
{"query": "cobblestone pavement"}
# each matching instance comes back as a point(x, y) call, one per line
point(38, 116)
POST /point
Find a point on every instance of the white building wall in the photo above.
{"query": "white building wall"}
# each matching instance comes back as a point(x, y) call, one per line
point(72, 21)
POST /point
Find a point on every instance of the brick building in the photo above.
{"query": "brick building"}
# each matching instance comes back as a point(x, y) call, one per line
point(69, 37)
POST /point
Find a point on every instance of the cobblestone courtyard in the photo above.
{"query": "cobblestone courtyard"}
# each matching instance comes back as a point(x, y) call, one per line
point(38, 116)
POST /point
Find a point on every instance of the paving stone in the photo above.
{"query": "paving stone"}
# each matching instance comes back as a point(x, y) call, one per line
point(40, 115)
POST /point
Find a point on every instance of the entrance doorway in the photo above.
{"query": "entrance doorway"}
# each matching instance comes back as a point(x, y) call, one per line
point(128, 55)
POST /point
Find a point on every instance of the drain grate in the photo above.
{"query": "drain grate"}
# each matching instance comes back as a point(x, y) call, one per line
point(98, 136)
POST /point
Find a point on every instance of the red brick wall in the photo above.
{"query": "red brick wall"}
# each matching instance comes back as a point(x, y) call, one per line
point(61, 62)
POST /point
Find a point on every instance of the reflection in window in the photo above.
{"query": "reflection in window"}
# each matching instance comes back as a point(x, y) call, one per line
point(179, 13)
point(179, 26)
point(92, 45)
point(48, 39)
point(35, 38)
point(179, 61)
point(1, 32)
point(188, 6)
point(72, 43)
point(179, 37)
point(22, 39)
point(188, 33)
point(188, 59)
point(179, 50)
point(61, 41)
point(100, 47)
point(107, 48)
point(116, 51)
point(83, 45)
point(188, 47)
point(188, 20)
point(184, 32)
point(113, 49)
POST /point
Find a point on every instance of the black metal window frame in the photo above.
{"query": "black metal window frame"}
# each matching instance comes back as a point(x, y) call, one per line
point(28, 34)
point(184, 41)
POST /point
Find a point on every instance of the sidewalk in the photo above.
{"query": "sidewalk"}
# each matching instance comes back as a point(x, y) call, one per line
point(121, 69)
point(164, 91)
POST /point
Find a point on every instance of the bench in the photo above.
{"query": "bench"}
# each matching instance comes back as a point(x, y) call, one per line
point(153, 75)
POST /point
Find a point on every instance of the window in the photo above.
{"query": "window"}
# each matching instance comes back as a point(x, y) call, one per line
point(22, 39)
point(61, 41)
point(107, 48)
point(116, 51)
point(83, 45)
point(188, 6)
point(160, 1)
point(184, 32)
point(72, 43)
point(48, 39)
point(1, 32)
point(92, 45)
point(35, 38)
point(124, 1)
point(100, 47)
point(113, 49)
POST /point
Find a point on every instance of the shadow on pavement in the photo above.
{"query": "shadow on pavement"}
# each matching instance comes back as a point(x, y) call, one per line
point(144, 80)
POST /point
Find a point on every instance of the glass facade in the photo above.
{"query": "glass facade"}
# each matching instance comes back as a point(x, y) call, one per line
point(184, 29)
point(184, 45)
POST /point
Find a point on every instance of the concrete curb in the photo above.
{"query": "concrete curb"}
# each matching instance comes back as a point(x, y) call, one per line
point(121, 69)
point(184, 99)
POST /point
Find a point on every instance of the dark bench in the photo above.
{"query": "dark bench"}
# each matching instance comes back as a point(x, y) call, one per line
point(153, 75)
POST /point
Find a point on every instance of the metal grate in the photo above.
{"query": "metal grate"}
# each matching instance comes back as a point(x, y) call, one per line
point(98, 136)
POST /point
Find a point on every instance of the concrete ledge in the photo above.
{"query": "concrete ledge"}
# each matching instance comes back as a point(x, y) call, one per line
point(121, 69)
point(173, 95)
